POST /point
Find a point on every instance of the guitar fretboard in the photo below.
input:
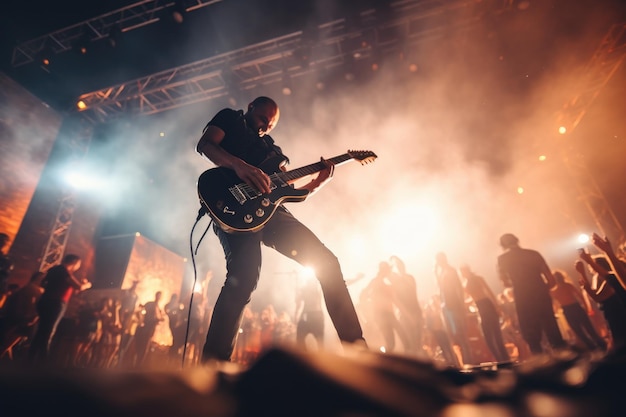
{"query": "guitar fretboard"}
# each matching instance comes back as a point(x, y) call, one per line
point(312, 168)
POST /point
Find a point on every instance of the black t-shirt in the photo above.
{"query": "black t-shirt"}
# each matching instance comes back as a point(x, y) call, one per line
point(57, 282)
point(241, 141)
point(524, 267)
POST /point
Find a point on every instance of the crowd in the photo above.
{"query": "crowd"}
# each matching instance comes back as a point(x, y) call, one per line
point(53, 320)
point(466, 323)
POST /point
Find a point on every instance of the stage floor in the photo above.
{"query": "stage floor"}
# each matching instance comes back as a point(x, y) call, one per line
point(285, 382)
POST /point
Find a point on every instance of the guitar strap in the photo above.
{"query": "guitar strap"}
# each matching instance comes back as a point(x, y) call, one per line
point(269, 142)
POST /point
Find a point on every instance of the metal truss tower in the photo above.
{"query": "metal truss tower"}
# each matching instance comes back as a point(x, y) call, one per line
point(606, 60)
point(134, 16)
point(75, 138)
point(356, 38)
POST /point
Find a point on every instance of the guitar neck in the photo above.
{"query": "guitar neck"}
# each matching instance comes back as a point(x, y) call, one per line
point(312, 168)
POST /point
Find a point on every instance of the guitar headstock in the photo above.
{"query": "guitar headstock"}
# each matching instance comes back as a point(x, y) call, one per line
point(364, 157)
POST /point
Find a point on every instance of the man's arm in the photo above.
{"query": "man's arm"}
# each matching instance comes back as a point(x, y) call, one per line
point(606, 246)
point(547, 273)
point(209, 147)
point(322, 178)
point(79, 285)
point(504, 277)
point(585, 256)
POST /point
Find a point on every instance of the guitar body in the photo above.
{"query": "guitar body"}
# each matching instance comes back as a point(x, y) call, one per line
point(238, 207)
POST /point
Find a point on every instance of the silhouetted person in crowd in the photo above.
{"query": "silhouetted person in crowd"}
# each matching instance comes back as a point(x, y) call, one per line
point(434, 321)
point(19, 315)
point(153, 315)
point(309, 315)
point(128, 302)
point(377, 296)
point(488, 310)
point(59, 286)
point(609, 301)
point(108, 346)
point(612, 264)
point(410, 313)
point(526, 271)
point(510, 325)
point(453, 305)
point(177, 321)
point(128, 318)
point(571, 302)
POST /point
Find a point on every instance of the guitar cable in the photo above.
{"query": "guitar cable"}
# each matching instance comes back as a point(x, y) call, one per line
point(201, 213)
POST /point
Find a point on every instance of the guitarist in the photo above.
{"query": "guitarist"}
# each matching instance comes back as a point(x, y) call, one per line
point(240, 141)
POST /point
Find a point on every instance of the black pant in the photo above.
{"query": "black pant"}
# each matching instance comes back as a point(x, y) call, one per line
point(536, 318)
point(291, 238)
point(50, 312)
point(490, 324)
point(581, 325)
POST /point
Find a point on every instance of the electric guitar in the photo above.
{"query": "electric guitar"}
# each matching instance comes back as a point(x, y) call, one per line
point(238, 207)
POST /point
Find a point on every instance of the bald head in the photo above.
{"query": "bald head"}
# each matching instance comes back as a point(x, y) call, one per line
point(262, 115)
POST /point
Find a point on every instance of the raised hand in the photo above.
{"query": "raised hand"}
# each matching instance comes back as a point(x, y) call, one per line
point(601, 243)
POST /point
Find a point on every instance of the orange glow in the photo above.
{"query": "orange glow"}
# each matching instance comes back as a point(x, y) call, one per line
point(81, 105)
point(542, 158)
point(562, 130)
point(520, 190)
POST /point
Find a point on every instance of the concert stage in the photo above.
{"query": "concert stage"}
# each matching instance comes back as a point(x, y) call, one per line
point(292, 383)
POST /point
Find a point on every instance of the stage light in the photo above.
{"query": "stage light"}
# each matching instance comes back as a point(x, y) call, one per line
point(562, 130)
point(82, 44)
point(178, 12)
point(46, 56)
point(542, 158)
point(520, 190)
point(583, 238)
point(407, 59)
point(308, 272)
point(286, 87)
point(83, 181)
point(81, 105)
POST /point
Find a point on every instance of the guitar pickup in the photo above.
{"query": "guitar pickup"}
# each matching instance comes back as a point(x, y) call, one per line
point(238, 194)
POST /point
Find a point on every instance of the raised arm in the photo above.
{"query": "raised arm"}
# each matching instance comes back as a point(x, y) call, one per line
point(585, 256)
point(584, 281)
point(605, 245)
point(320, 180)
